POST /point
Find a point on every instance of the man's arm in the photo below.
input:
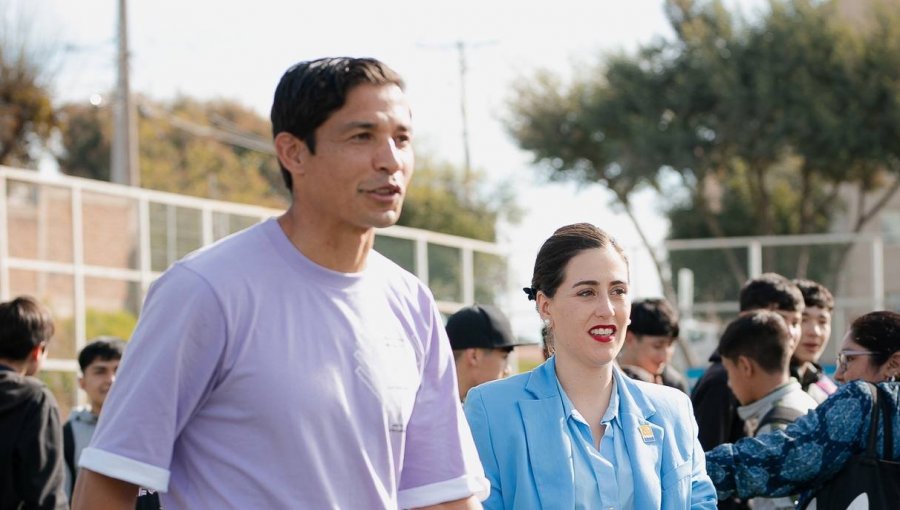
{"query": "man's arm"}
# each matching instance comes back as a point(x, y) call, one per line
point(460, 504)
point(94, 491)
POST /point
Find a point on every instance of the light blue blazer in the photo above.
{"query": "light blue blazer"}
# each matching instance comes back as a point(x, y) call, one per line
point(523, 441)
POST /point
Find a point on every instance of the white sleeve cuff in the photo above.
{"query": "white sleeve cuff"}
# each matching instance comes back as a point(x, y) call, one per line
point(441, 492)
point(125, 469)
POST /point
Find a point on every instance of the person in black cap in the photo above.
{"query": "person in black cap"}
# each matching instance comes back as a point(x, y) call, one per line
point(482, 339)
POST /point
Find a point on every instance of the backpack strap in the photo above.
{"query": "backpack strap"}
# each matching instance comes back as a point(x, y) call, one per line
point(780, 415)
point(884, 405)
point(873, 426)
point(69, 450)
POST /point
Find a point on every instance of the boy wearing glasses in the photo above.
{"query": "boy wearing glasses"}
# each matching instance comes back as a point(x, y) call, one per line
point(755, 351)
point(31, 457)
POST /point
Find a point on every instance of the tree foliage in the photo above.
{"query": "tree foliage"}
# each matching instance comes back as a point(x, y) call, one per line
point(184, 147)
point(762, 122)
point(436, 200)
point(26, 110)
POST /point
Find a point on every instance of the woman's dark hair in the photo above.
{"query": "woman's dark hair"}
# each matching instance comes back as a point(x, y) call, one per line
point(309, 92)
point(24, 325)
point(554, 255)
point(878, 332)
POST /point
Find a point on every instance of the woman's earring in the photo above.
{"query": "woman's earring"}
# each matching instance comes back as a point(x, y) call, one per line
point(547, 323)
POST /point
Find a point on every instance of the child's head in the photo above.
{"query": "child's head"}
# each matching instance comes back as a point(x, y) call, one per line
point(25, 328)
point(99, 361)
point(651, 336)
point(816, 325)
point(755, 350)
point(771, 291)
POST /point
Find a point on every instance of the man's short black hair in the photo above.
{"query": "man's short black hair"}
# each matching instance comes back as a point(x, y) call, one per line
point(760, 335)
point(103, 348)
point(654, 317)
point(309, 92)
point(771, 291)
point(815, 294)
point(24, 324)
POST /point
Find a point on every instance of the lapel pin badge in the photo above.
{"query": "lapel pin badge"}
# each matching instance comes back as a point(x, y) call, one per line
point(646, 433)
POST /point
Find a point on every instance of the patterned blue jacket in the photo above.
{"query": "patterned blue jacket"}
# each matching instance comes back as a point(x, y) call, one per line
point(809, 452)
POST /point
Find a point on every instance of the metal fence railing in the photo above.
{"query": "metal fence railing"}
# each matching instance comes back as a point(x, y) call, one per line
point(91, 249)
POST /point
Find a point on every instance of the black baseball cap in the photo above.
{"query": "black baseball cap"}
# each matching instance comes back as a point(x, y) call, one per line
point(481, 326)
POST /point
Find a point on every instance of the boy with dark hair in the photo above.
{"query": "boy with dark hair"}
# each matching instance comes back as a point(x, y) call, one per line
point(715, 406)
point(650, 343)
point(756, 351)
point(815, 333)
point(31, 460)
point(99, 361)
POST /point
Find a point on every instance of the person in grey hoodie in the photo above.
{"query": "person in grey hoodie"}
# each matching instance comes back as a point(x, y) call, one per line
point(99, 361)
point(31, 458)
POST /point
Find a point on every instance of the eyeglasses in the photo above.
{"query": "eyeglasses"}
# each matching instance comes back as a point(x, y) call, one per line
point(843, 361)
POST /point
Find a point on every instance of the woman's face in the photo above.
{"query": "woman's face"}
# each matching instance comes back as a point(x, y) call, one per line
point(855, 362)
point(589, 313)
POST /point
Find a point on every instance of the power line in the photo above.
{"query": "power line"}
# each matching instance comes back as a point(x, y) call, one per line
point(243, 140)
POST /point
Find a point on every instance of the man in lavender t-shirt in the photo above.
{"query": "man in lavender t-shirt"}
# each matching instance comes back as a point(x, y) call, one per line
point(289, 366)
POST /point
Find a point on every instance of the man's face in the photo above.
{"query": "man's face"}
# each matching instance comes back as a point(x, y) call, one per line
point(653, 352)
point(363, 161)
point(97, 379)
point(815, 332)
point(493, 364)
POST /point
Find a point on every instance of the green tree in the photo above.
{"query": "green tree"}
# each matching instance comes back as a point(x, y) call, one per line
point(436, 201)
point(214, 149)
point(26, 111)
point(762, 122)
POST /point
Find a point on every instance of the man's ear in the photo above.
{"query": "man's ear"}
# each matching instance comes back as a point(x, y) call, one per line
point(292, 152)
point(472, 356)
point(745, 366)
point(630, 338)
point(37, 352)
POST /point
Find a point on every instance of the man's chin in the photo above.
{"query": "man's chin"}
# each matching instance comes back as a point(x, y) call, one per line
point(387, 219)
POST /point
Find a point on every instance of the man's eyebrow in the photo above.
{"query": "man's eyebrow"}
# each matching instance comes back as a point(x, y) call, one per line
point(357, 124)
point(368, 125)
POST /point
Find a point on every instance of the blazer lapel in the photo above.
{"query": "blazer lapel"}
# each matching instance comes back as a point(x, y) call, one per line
point(549, 450)
point(644, 442)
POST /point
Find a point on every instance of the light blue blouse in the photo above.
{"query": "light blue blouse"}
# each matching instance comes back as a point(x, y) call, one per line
point(598, 485)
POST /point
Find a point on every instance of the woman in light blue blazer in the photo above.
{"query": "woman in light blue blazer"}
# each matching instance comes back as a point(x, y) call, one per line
point(575, 432)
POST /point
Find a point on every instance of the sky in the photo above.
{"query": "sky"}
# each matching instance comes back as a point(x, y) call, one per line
point(238, 50)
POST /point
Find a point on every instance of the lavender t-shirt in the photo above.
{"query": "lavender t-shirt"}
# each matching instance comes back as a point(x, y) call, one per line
point(258, 379)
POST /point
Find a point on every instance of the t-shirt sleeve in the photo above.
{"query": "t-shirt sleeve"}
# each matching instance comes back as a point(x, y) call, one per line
point(41, 479)
point(440, 461)
point(168, 369)
point(800, 457)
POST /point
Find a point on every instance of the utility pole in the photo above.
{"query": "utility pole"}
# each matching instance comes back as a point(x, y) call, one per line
point(124, 167)
point(461, 47)
point(467, 169)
